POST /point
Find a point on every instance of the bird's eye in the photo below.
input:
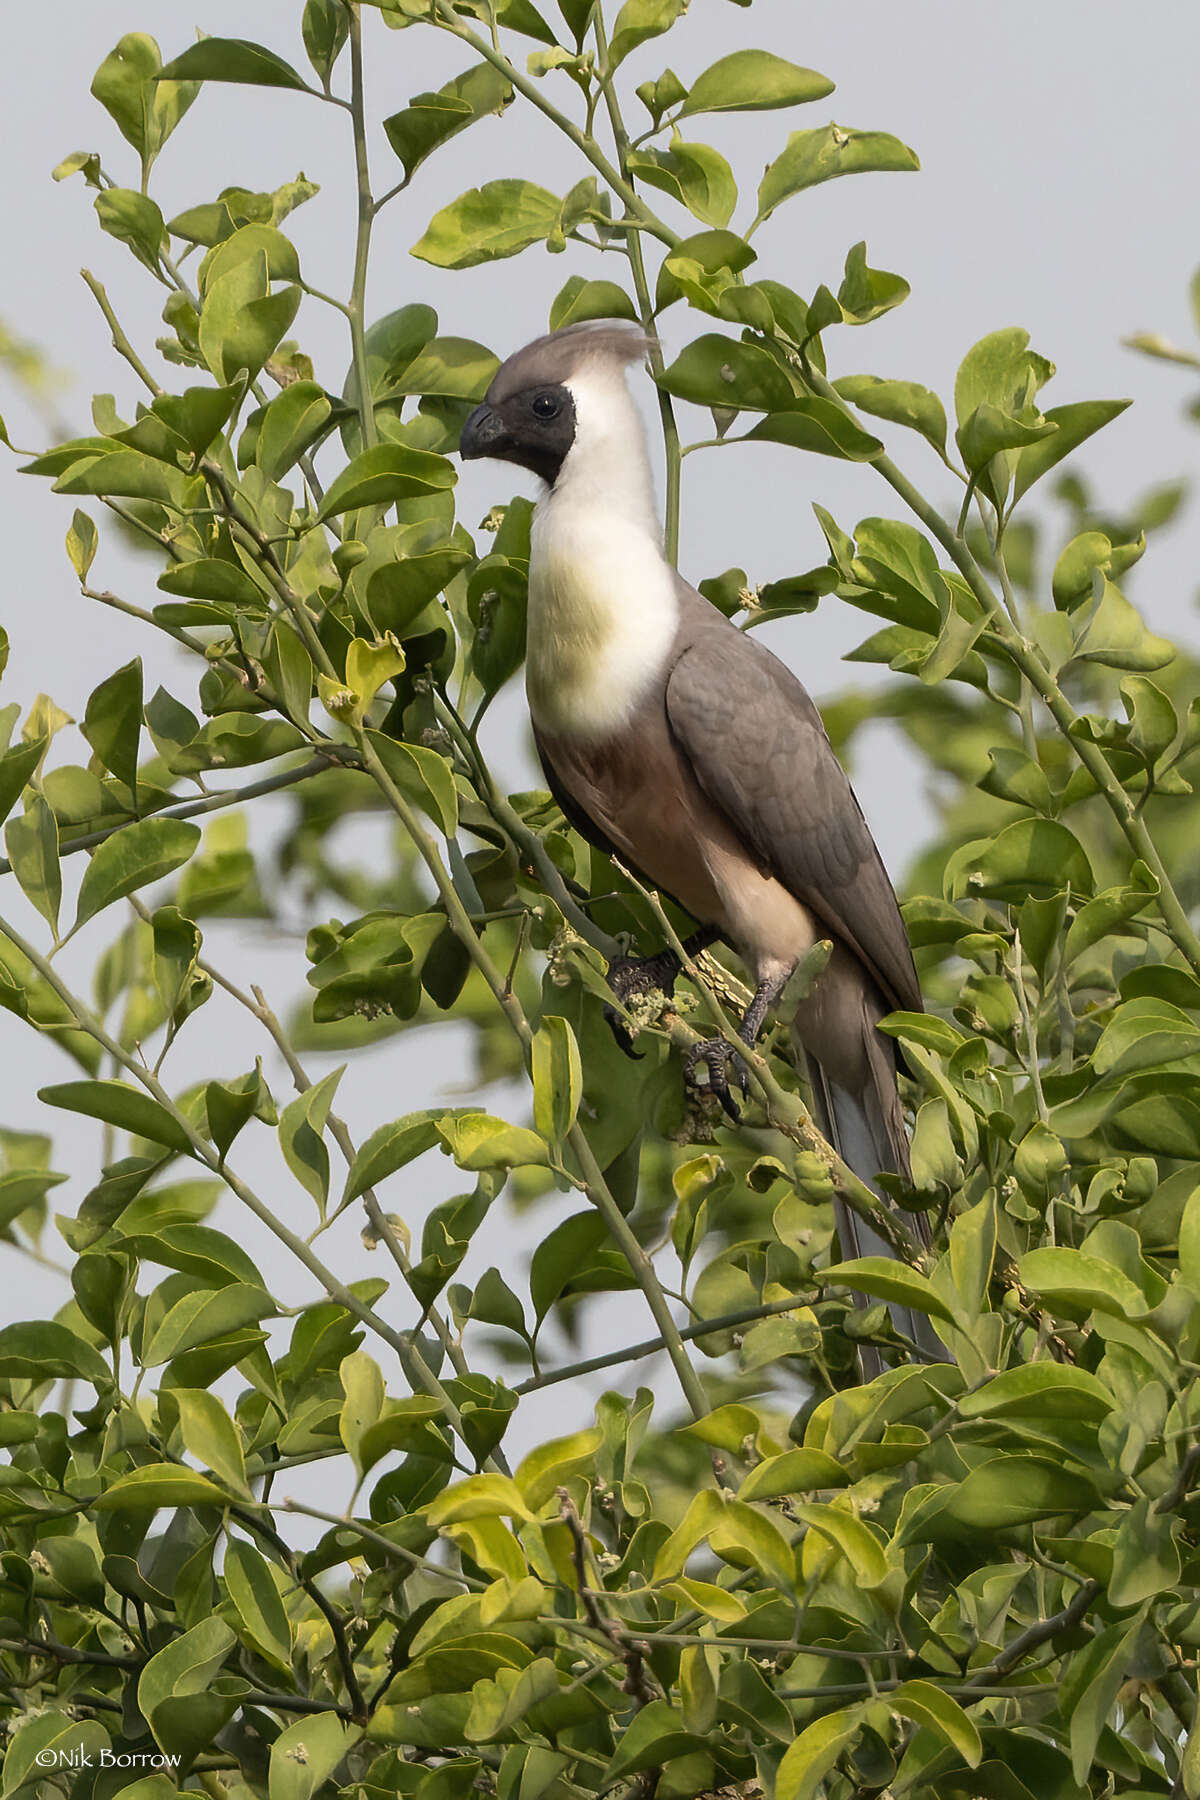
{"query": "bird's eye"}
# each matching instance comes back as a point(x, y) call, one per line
point(545, 406)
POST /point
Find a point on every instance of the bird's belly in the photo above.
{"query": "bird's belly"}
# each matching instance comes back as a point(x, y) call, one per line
point(639, 793)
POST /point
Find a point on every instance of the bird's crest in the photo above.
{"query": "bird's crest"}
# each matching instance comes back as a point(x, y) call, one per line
point(553, 359)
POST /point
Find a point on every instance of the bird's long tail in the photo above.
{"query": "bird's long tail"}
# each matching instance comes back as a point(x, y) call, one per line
point(866, 1128)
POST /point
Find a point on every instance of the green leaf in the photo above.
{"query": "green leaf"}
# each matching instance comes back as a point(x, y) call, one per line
point(815, 156)
point(476, 1140)
point(132, 219)
point(1107, 912)
point(422, 775)
point(498, 1704)
point(655, 1735)
point(1002, 372)
point(17, 765)
point(144, 109)
point(1095, 1677)
point(31, 839)
point(131, 858)
point(241, 321)
point(889, 1280)
point(638, 21)
point(487, 223)
point(807, 1762)
point(39, 1350)
point(235, 740)
point(552, 1463)
point(817, 425)
point(865, 293)
point(399, 592)
point(112, 722)
point(1153, 725)
point(938, 1711)
point(199, 413)
point(799, 1471)
point(1113, 634)
point(478, 1497)
point(366, 1397)
point(1074, 425)
point(849, 1534)
point(384, 474)
point(49, 1740)
point(1144, 1034)
point(325, 28)
point(204, 1316)
point(307, 1754)
point(233, 59)
point(301, 1129)
point(226, 584)
point(290, 671)
point(694, 174)
point(1078, 562)
point(1071, 1278)
point(369, 665)
point(124, 474)
point(1146, 1559)
point(720, 371)
point(1030, 856)
point(988, 432)
point(450, 368)
point(82, 543)
point(578, 300)
point(290, 424)
point(125, 1107)
point(429, 120)
point(159, 1484)
point(389, 1148)
point(251, 1587)
point(1039, 1390)
point(180, 1672)
point(210, 1435)
point(753, 81)
point(557, 1078)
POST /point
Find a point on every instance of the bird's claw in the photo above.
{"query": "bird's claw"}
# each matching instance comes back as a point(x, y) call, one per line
point(629, 978)
point(722, 1063)
point(622, 1036)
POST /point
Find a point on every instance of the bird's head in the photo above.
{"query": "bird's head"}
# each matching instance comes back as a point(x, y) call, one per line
point(554, 394)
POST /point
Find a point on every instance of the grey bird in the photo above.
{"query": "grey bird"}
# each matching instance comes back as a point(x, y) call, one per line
point(683, 745)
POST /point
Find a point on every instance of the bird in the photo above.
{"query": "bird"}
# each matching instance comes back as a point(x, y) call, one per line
point(684, 746)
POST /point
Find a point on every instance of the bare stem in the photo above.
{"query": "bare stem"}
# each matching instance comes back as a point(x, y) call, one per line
point(362, 242)
point(637, 264)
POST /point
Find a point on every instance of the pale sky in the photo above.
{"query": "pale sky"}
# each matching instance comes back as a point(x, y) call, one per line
point(1058, 145)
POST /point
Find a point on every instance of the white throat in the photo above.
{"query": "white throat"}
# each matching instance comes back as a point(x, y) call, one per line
point(602, 601)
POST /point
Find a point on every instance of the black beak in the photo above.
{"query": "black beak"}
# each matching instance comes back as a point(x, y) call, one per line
point(484, 434)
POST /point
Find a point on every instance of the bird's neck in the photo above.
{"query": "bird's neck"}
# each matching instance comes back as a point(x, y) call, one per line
point(603, 607)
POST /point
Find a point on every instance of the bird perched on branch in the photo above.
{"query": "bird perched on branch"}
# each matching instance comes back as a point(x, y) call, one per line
point(683, 745)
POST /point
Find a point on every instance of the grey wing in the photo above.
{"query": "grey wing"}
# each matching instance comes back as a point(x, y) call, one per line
point(757, 747)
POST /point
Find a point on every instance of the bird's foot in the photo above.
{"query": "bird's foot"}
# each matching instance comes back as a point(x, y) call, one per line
point(631, 978)
point(723, 1065)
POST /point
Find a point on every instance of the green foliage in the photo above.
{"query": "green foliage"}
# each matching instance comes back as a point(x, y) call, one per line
point(970, 1577)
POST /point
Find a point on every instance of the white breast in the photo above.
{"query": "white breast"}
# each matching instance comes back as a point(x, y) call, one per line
point(602, 602)
point(602, 616)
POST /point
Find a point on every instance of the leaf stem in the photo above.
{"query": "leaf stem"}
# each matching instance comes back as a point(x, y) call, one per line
point(637, 263)
point(121, 343)
point(190, 809)
point(748, 1315)
point(362, 241)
